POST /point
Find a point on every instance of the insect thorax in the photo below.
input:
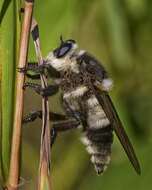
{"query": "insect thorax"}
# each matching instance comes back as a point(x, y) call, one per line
point(71, 80)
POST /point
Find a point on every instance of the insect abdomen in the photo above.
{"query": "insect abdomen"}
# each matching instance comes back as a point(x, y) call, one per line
point(98, 136)
point(98, 144)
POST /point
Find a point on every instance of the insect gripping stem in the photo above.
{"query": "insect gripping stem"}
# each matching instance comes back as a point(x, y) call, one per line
point(44, 165)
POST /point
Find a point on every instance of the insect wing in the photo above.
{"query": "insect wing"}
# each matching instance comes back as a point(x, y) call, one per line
point(109, 109)
point(92, 66)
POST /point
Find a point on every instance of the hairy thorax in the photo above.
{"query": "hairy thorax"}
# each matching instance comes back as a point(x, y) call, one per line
point(72, 80)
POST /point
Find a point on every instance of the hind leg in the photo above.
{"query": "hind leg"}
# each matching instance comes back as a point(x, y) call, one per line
point(60, 122)
point(32, 116)
point(62, 127)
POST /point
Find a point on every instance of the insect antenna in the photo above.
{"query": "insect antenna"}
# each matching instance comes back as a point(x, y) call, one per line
point(61, 39)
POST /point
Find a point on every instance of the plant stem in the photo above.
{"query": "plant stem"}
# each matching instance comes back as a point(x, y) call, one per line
point(44, 164)
point(16, 138)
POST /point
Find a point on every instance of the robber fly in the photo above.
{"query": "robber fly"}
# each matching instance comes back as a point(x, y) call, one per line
point(85, 85)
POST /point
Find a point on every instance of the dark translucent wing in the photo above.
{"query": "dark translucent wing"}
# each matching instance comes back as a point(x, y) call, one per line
point(109, 109)
point(93, 66)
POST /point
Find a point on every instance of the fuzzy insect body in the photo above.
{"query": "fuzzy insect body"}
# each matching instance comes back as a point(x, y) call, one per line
point(80, 102)
point(80, 99)
point(85, 85)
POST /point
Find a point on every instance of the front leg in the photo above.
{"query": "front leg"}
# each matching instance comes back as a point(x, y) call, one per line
point(48, 91)
point(32, 66)
point(39, 69)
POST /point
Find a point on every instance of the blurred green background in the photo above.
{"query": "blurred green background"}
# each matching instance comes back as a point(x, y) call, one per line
point(119, 33)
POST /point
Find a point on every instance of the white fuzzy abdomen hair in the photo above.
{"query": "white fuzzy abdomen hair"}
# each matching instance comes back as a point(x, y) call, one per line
point(98, 135)
point(75, 93)
point(96, 117)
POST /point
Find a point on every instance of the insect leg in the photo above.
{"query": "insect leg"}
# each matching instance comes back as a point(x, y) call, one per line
point(61, 127)
point(66, 125)
point(32, 67)
point(32, 116)
point(53, 136)
point(39, 69)
point(63, 124)
point(48, 91)
point(33, 76)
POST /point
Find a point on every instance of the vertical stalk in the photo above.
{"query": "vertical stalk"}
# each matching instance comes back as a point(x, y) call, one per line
point(16, 138)
point(44, 164)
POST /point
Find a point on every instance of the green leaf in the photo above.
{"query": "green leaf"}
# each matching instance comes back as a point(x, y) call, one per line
point(8, 53)
point(4, 8)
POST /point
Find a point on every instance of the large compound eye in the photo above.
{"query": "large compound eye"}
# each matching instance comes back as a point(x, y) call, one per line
point(62, 50)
